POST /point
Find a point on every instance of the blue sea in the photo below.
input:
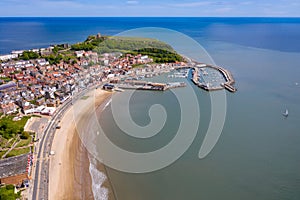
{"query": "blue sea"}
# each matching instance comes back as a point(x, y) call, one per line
point(281, 34)
point(257, 155)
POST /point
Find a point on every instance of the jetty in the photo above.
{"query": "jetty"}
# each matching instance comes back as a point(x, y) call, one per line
point(143, 85)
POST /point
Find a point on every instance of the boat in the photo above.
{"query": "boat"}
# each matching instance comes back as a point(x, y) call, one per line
point(286, 113)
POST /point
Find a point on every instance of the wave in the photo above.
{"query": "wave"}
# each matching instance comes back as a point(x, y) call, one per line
point(107, 104)
point(98, 178)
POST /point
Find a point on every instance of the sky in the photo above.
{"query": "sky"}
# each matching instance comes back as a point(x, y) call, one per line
point(136, 8)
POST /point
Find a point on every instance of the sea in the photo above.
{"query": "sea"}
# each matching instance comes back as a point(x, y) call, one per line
point(257, 153)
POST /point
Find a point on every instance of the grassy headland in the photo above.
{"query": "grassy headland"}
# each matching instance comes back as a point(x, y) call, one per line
point(159, 51)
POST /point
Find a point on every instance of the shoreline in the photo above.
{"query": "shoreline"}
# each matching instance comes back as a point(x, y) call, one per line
point(69, 168)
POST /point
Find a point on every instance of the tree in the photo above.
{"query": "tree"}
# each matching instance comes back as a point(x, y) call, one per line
point(27, 55)
point(55, 50)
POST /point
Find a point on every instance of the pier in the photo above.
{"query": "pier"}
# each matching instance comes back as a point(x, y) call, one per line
point(143, 85)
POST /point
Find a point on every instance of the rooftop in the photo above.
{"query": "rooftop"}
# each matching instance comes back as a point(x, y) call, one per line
point(13, 166)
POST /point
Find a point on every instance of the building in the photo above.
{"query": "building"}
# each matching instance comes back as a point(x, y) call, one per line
point(15, 170)
point(8, 87)
point(8, 57)
point(8, 108)
point(79, 54)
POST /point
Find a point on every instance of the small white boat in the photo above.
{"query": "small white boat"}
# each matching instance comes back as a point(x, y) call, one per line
point(286, 113)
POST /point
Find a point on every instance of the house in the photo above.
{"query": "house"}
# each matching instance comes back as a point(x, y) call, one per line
point(48, 111)
point(8, 57)
point(10, 86)
point(79, 53)
point(7, 108)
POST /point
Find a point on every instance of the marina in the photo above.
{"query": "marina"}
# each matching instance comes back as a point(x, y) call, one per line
point(212, 78)
point(207, 77)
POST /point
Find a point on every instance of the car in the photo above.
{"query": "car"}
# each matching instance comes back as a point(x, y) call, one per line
point(26, 183)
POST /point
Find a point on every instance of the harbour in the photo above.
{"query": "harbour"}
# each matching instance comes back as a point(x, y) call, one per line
point(211, 78)
point(206, 77)
point(258, 143)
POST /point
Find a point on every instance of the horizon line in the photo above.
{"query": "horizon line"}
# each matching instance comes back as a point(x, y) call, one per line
point(149, 16)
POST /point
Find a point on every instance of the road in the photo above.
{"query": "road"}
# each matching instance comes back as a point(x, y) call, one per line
point(41, 171)
point(41, 175)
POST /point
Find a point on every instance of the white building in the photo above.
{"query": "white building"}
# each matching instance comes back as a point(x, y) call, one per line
point(79, 53)
point(8, 57)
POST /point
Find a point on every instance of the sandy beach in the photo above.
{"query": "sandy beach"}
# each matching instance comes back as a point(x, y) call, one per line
point(69, 176)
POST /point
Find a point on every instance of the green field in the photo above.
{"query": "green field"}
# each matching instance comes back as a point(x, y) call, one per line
point(7, 193)
point(24, 142)
point(11, 132)
point(16, 152)
point(10, 128)
point(2, 153)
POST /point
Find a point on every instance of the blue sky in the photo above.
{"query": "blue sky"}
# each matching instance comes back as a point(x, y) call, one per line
point(280, 8)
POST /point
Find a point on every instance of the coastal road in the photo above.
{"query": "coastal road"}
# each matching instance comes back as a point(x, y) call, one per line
point(41, 171)
point(41, 175)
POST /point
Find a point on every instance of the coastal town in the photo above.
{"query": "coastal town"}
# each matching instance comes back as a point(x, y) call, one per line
point(35, 90)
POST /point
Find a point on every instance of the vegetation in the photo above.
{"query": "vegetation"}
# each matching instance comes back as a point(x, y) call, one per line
point(7, 192)
point(107, 44)
point(24, 135)
point(89, 44)
point(5, 79)
point(11, 142)
point(159, 51)
point(10, 128)
point(16, 152)
point(159, 55)
point(127, 44)
point(33, 101)
point(2, 153)
point(138, 65)
point(53, 58)
point(27, 55)
point(24, 142)
point(7, 143)
point(56, 58)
